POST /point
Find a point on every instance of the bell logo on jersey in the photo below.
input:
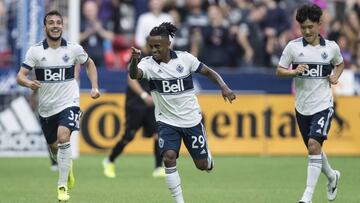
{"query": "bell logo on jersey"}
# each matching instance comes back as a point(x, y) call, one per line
point(172, 88)
point(54, 74)
point(313, 71)
point(316, 70)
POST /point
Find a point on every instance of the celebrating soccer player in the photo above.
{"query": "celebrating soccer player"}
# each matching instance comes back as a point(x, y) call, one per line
point(177, 111)
point(54, 61)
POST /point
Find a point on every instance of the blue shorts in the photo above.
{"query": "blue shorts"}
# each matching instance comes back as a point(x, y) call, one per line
point(315, 126)
point(194, 139)
point(68, 118)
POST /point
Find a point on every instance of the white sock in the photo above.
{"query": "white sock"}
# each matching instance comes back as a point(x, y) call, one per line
point(313, 173)
point(173, 181)
point(326, 168)
point(64, 162)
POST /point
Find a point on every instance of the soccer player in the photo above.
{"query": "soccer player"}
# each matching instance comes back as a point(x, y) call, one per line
point(177, 111)
point(313, 58)
point(53, 61)
point(139, 112)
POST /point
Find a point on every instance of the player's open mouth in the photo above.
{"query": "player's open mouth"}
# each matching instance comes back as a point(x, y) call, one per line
point(55, 31)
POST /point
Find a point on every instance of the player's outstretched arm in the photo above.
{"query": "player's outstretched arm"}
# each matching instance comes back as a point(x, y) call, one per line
point(134, 71)
point(23, 80)
point(93, 77)
point(227, 93)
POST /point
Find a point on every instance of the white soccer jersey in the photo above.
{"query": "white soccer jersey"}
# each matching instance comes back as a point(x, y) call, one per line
point(313, 92)
point(54, 68)
point(172, 88)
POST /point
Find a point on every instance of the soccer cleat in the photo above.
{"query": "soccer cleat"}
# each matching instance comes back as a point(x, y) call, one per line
point(332, 187)
point(211, 161)
point(63, 194)
point(159, 172)
point(109, 168)
point(71, 178)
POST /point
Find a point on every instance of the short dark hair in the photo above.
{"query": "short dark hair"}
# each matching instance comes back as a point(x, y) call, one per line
point(53, 13)
point(309, 11)
point(164, 29)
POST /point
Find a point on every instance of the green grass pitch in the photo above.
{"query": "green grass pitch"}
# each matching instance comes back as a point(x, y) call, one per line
point(236, 179)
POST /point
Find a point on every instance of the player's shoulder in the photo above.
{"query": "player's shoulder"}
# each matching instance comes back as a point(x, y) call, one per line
point(147, 59)
point(331, 43)
point(37, 45)
point(36, 48)
point(184, 55)
point(181, 53)
point(73, 45)
point(296, 42)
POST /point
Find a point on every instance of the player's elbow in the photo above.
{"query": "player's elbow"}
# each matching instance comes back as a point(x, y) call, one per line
point(279, 72)
point(133, 76)
point(19, 79)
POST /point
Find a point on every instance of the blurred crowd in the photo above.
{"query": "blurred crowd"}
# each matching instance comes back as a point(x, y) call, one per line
point(222, 33)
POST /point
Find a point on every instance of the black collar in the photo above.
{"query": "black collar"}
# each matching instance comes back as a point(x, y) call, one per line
point(173, 55)
point(46, 45)
point(322, 41)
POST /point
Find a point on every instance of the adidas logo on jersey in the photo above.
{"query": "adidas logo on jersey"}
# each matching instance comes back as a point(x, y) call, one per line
point(203, 151)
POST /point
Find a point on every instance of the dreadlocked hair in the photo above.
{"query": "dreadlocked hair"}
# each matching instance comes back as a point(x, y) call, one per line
point(164, 29)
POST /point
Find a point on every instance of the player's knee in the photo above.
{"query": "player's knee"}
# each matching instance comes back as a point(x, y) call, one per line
point(63, 138)
point(126, 140)
point(201, 164)
point(63, 135)
point(128, 137)
point(169, 158)
point(314, 147)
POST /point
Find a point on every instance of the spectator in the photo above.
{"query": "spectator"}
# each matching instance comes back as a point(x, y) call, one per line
point(195, 16)
point(251, 38)
point(355, 59)
point(5, 54)
point(275, 27)
point(92, 33)
point(149, 20)
point(335, 29)
point(351, 29)
point(215, 51)
point(185, 39)
point(343, 43)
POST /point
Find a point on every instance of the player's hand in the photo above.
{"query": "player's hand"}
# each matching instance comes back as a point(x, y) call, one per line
point(301, 68)
point(95, 93)
point(149, 101)
point(333, 79)
point(136, 53)
point(228, 94)
point(34, 84)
